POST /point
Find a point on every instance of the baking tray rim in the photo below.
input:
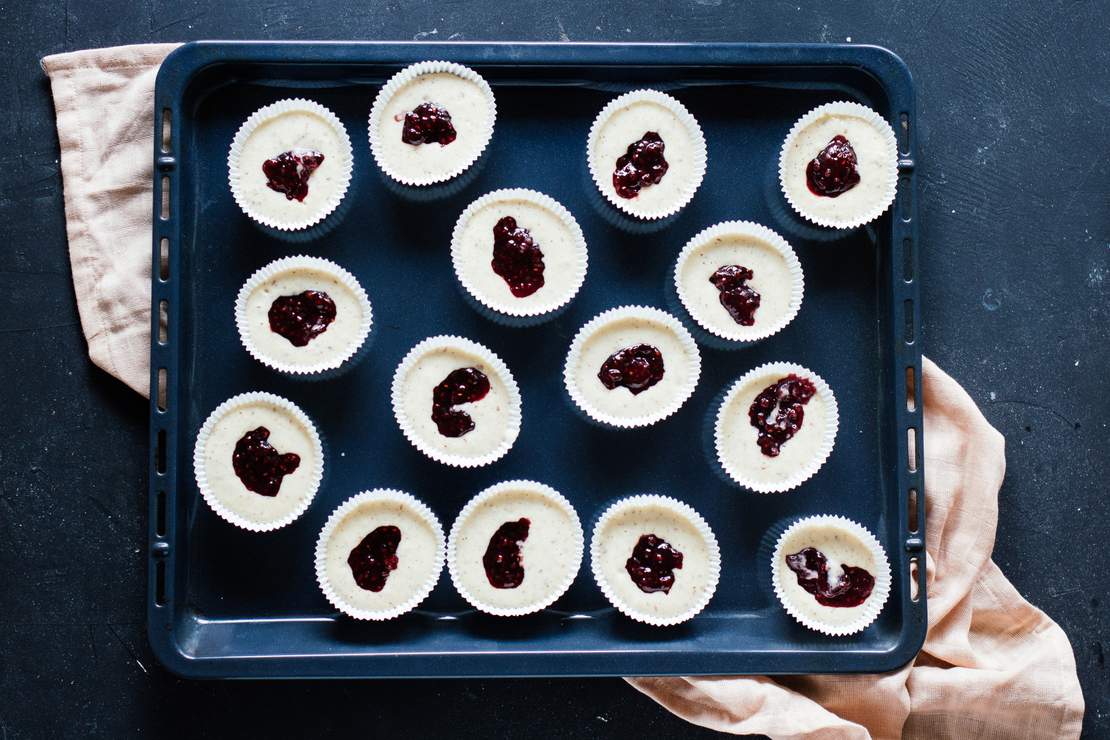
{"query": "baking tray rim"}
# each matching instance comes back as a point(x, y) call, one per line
point(182, 66)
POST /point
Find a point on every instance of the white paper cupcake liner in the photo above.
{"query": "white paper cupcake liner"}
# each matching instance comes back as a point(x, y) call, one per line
point(832, 422)
point(538, 199)
point(891, 144)
point(493, 491)
point(200, 470)
point(402, 78)
point(617, 314)
point(603, 179)
point(254, 121)
point(771, 239)
point(286, 264)
point(874, 603)
point(376, 495)
point(512, 423)
point(682, 510)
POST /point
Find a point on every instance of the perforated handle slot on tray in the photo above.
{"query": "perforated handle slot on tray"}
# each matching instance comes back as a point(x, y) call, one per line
point(910, 327)
point(163, 462)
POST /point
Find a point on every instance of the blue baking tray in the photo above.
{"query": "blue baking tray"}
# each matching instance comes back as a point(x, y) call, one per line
point(226, 603)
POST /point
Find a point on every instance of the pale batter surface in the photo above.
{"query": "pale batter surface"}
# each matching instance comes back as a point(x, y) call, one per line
point(679, 369)
point(771, 278)
point(290, 131)
point(418, 555)
point(618, 537)
point(491, 414)
point(737, 438)
point(876, 164)
point(626, 126)
point(841, 547)
point(287, 434)
point(550, 555)
point(564, 266)
point(338, 340)
point(471, 115)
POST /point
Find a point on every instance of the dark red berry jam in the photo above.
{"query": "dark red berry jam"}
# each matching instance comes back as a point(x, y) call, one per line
point(428, 124)
point(465, 385)
point(738, 298)
point(636, 368)
point(302, 317)
point(812, 568)
point(259, 465)
point(833, 171)
point(288, 172)
point(502, 560)
point(777, 412)
point(642, 165)
point(372, 559)
point(653, 564)
point(517, 258)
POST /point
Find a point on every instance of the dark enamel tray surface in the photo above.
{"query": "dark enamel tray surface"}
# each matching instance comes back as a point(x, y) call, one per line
point(226, 603)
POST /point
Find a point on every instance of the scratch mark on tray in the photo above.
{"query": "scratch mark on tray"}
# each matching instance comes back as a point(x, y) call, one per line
point(421, 35)
point(178, 22)
point(19, 329)
point(112, 525)
point(1039, 407)
point(936, 9)
point(562, 31)
point(127, 647)
point(92, 642)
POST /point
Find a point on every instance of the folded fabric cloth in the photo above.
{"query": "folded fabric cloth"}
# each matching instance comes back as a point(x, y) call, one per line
point(993, 666)
point(103, 100)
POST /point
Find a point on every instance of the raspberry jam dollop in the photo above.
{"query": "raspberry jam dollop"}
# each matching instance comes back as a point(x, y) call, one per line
point(636, 368)
point(288, 172)
point(502, 560)
point(372, 559)
point(738, 298)
point(642, 165)
point(812, 568)
point(465, 385)
point(517, 258)
point(833, 171)
point(777, 412)
point(653, 564)
point(259, 465)
point(427, 123)
point(302, 317)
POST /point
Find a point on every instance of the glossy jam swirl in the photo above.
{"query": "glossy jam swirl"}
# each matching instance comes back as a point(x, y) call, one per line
point(642, 165)
point(374, 557)
point(465, 385)
point(427, 123)
point(302, 317)
point(653, 564)
point(503, 559)
point(288, 172)
point(738, 298)
point(777, 412)
point(833, 171)
point(636, 368)
point(258, 465)
point(812, 569)
point(517, 258)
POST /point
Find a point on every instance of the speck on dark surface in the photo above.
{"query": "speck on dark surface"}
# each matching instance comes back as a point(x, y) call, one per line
point(1015, 307)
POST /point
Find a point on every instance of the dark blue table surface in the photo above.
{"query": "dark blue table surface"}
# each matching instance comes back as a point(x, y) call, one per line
point(1015, 211)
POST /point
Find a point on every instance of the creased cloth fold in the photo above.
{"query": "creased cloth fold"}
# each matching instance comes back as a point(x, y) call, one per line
point(103, 101)
point(993, 666)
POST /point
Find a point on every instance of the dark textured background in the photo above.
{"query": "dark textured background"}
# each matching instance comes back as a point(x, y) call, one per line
point(1015, 211)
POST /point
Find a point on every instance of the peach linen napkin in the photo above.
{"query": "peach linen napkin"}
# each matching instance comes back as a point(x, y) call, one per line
point(993, 665)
